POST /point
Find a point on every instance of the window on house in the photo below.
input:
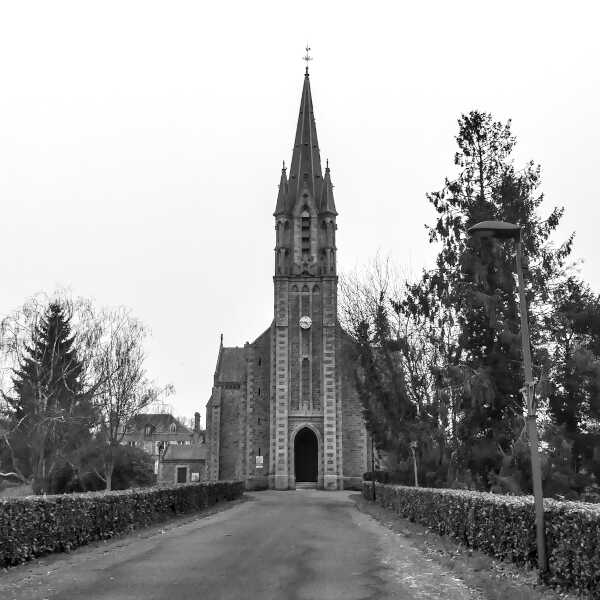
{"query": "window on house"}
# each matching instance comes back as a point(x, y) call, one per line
point(173, 427)
point(148, 430)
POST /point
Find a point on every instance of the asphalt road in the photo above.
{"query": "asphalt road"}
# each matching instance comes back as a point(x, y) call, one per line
point(301, 545)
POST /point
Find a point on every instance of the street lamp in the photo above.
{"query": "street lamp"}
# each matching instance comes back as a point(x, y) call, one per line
point(502, 230)
point(373, 464)
point(413, 448)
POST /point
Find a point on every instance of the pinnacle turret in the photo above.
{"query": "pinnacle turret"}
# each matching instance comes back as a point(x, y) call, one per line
point(282, 194)
point(327, 204)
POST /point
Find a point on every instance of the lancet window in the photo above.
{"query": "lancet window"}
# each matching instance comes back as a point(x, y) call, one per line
point(305, 233)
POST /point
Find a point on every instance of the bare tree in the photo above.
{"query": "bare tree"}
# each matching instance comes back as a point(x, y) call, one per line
point(379, 287)
point(125, 390)
point(364, 290)
point(373, 312)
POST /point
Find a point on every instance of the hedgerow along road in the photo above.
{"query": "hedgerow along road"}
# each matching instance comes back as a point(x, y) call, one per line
point(305, 544)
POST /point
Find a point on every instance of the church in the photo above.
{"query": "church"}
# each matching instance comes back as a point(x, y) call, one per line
point(283, 412)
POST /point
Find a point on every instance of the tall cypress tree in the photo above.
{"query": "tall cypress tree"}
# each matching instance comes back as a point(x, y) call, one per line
point(469, 300)
point(51, 414)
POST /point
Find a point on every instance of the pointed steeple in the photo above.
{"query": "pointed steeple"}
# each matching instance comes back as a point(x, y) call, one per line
point(283, 191)
point(327, 204)
point(305, 169)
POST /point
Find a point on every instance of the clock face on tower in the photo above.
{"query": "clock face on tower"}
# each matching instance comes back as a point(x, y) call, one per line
point(305, 322)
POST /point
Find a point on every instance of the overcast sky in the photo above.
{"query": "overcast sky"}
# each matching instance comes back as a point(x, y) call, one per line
point(141, 144)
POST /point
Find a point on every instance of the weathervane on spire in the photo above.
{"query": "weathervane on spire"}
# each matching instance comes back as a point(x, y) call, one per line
point(307, 57)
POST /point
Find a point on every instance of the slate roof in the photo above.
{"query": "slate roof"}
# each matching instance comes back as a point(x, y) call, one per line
point(159, 421)
point(185, 452)
point(232, 365)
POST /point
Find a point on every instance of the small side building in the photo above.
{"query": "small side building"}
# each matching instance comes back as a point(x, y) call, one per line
point(182, 464)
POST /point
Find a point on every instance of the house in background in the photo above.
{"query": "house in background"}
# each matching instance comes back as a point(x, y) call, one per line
point(156, 432)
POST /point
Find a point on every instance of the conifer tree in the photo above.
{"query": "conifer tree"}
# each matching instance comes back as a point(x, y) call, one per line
point(50, 413)
point(573, 327)
point(469, 300)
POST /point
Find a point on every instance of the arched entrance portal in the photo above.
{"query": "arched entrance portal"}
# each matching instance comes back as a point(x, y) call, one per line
point(306, 456)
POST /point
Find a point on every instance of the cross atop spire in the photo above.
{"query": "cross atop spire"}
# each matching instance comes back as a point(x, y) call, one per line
point(307, 57)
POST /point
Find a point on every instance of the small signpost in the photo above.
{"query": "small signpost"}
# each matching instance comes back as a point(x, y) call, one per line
point(259, 462)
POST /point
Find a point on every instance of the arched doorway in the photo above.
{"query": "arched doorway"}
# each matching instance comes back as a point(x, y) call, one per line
point(306, 456)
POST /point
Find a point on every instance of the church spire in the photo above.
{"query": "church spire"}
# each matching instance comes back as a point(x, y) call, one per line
point(305, 168)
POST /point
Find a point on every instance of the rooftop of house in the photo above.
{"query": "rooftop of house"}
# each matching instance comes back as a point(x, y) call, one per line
point(185, 453)
point(159, 423)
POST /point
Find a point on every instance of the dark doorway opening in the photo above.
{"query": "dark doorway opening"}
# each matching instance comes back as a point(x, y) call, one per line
point(306, 456)
point(181, 474)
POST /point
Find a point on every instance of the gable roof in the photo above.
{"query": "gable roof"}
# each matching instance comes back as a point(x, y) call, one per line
point(232, 365)
point(160, 422)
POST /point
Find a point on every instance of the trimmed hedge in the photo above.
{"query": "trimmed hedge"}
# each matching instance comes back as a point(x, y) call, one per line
point(37, 525)
point(504, 527)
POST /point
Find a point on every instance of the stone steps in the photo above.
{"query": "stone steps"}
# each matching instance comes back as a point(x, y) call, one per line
point(306, 485)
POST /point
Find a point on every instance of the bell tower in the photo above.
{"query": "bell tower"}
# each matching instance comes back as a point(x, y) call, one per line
point(304, 356)
point(284, 410)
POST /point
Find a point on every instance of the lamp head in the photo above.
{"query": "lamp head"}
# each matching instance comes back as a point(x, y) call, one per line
point(496, 229)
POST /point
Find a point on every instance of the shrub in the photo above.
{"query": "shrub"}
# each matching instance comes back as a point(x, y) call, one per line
point(37, 525)
point(133, 468)
point(504, 527)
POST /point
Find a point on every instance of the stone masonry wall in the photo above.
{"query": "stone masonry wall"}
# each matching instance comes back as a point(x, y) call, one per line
point(213, 428)
point(229, 439)
point(168, 469)
point(259, 383)
point(354, 434)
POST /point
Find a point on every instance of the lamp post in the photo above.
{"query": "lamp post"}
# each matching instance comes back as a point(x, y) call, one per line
point(373, 464)
point(413, 449)
point(502, 230)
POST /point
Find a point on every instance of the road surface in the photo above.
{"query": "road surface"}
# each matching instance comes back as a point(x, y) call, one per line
point(297, 545)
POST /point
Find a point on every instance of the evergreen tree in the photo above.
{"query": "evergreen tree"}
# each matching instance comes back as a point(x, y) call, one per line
point(469, 300)
point(50, 413)
point(574, 373)
point(381, 386)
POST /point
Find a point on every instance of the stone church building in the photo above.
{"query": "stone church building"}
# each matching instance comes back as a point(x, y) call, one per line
point(283, 411)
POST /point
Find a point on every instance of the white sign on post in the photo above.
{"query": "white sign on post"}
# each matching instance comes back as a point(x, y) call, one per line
point(259, 462)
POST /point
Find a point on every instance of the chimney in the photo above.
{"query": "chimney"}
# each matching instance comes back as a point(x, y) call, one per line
point(197, 422)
